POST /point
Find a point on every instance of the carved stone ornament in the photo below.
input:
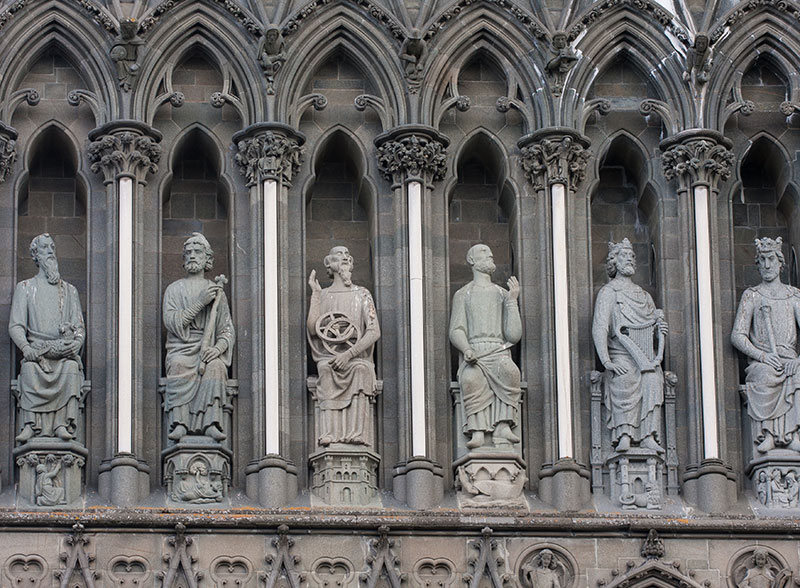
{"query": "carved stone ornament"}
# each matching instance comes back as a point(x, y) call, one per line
point(271, 55)
point(487, 563)
point(382, 562)
point(231, 571)
point(698, 61)
point(412, 56)
point(438, 572)
point(563, 60)
point(412, 152)
point(332, 572)
point(124, 53)
point(76, 559)
point(757, 566)
point(558, 156)
point(124, 147)
point(267, 152)
point(25, 571)
point(281, 565)
point(179, 561)
point(8, 150)
point(697, 157)
point(547, 566)
point(129, 571)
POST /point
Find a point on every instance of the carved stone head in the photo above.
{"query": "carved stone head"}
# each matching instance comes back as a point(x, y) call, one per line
point(620, 258)
point(769, 258)
point(197, 254)
point(481, 259)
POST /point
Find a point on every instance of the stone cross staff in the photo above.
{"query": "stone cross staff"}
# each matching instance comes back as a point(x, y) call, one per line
point(208, 332)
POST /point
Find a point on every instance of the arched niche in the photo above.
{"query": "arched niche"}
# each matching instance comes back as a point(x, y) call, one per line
point(481, 210)
point(621, 207)
point(53, 199)
point(195, 200)
point(338, 208)
point(765, 84)
point(757, 213)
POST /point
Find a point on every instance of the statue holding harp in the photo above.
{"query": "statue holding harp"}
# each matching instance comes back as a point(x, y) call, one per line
point(629, 334)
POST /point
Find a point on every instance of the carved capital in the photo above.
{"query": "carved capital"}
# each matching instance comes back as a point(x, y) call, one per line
point(697, 156)
point(555, 156)
point(8, 150)
point(128, 148)
point(268, 151)
point(412, 151)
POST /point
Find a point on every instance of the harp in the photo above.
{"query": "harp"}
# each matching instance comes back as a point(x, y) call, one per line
point(645, 343)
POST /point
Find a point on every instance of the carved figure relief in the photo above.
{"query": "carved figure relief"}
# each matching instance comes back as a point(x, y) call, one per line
point(484, 324)
point(200, 339)
point(759, 567)
point(698, 61)
point(124, 53)
point(563, 60)
point(412, 56)
point(547, 567)
point(271, 54)
point(46, 324)
point(201, 478)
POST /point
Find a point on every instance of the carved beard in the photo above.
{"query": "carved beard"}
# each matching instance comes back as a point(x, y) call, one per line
point(50, 266)
point(485, 266)
point(193, 267)
point(627, 269)
point(346, 273)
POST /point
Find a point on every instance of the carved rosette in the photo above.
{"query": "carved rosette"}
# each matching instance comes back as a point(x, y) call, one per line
point(412, 152)
point(8, 150)
point(268, 152)
point(697, 156)
point(555, 156)
point(127, 148)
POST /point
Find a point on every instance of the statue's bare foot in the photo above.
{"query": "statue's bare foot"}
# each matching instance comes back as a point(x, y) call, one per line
point(214, 432)
point(325, 440)
point(26, 434)
point(768, 444)
point(178, 432)
point(649, 442)
point(624, 443)
point(503, 431)
point(476, 440)
point(795, 444)
point(63, 433)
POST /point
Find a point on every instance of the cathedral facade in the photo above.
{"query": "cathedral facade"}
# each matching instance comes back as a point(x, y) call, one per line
point(399, 293)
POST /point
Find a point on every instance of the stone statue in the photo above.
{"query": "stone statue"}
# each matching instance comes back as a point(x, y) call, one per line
point(544, 571)
point(342, 331)
point(412, 56)
point(564, 58)
point(271, 54)
point(200, 339)
point(765, 331)
point(46, 324)
point(124, 53)
point(698, 61)
point(48, 490)
point(629, 335)
point(759, 575)
point(484, 325)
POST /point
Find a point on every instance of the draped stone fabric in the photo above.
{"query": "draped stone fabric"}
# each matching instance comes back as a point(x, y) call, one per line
point(194, 400)
point(48, 317)
point(633, 400)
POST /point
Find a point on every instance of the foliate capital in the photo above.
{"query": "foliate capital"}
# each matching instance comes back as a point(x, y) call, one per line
point(268, 151)
point(412, 151)
point(697, 156)
point(8, 150)
point(555, 156)
point(124, 148)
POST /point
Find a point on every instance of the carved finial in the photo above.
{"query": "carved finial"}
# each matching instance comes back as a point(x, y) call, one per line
point(653, 546)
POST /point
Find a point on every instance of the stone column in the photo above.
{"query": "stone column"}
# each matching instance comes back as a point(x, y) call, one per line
point(8, 155)
point(268, 155)
point(411, 157)
point(125, 152)
point(699, 159)
point(554, 161)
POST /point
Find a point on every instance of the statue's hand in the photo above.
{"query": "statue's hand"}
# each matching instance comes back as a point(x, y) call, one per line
point(29, 353)
point(207, 296)
point(792, 367)
point(314, 282)
point(210, 354)
point(617, 368)
point(513, 288)
point(773, 360)
point(72, 348)
point(469, 355)
point(340, 361)
point(663, 327)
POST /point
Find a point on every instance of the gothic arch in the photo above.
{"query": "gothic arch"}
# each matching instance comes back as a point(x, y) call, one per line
point(78, 39)
point(224, 45)
point(778, 168)
point(636, 150)
point(373, 52)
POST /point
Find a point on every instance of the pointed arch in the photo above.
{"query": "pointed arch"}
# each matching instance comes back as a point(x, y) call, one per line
point(653, 574)
point(369, 48)
point(221, 40)
point(775, 161)
point(634, 159)
point(79, 39)
point(483, 29)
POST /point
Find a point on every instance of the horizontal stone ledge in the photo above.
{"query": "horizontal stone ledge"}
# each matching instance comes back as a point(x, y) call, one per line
point(336, 520)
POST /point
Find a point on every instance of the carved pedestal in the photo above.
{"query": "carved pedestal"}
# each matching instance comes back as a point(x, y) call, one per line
point(50, 472)
point(345, 475)
point(197, 471)
point(486, 478)
point(776, 479)
point(636, 479)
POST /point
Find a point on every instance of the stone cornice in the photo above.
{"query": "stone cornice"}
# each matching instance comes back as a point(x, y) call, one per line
point(556, 155)
point(124, 148)
point(412, 152)
point(268, 151)
point(8, 150)
point(697, 157)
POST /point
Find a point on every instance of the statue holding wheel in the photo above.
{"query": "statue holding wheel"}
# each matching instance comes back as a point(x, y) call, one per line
point(342, 330)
